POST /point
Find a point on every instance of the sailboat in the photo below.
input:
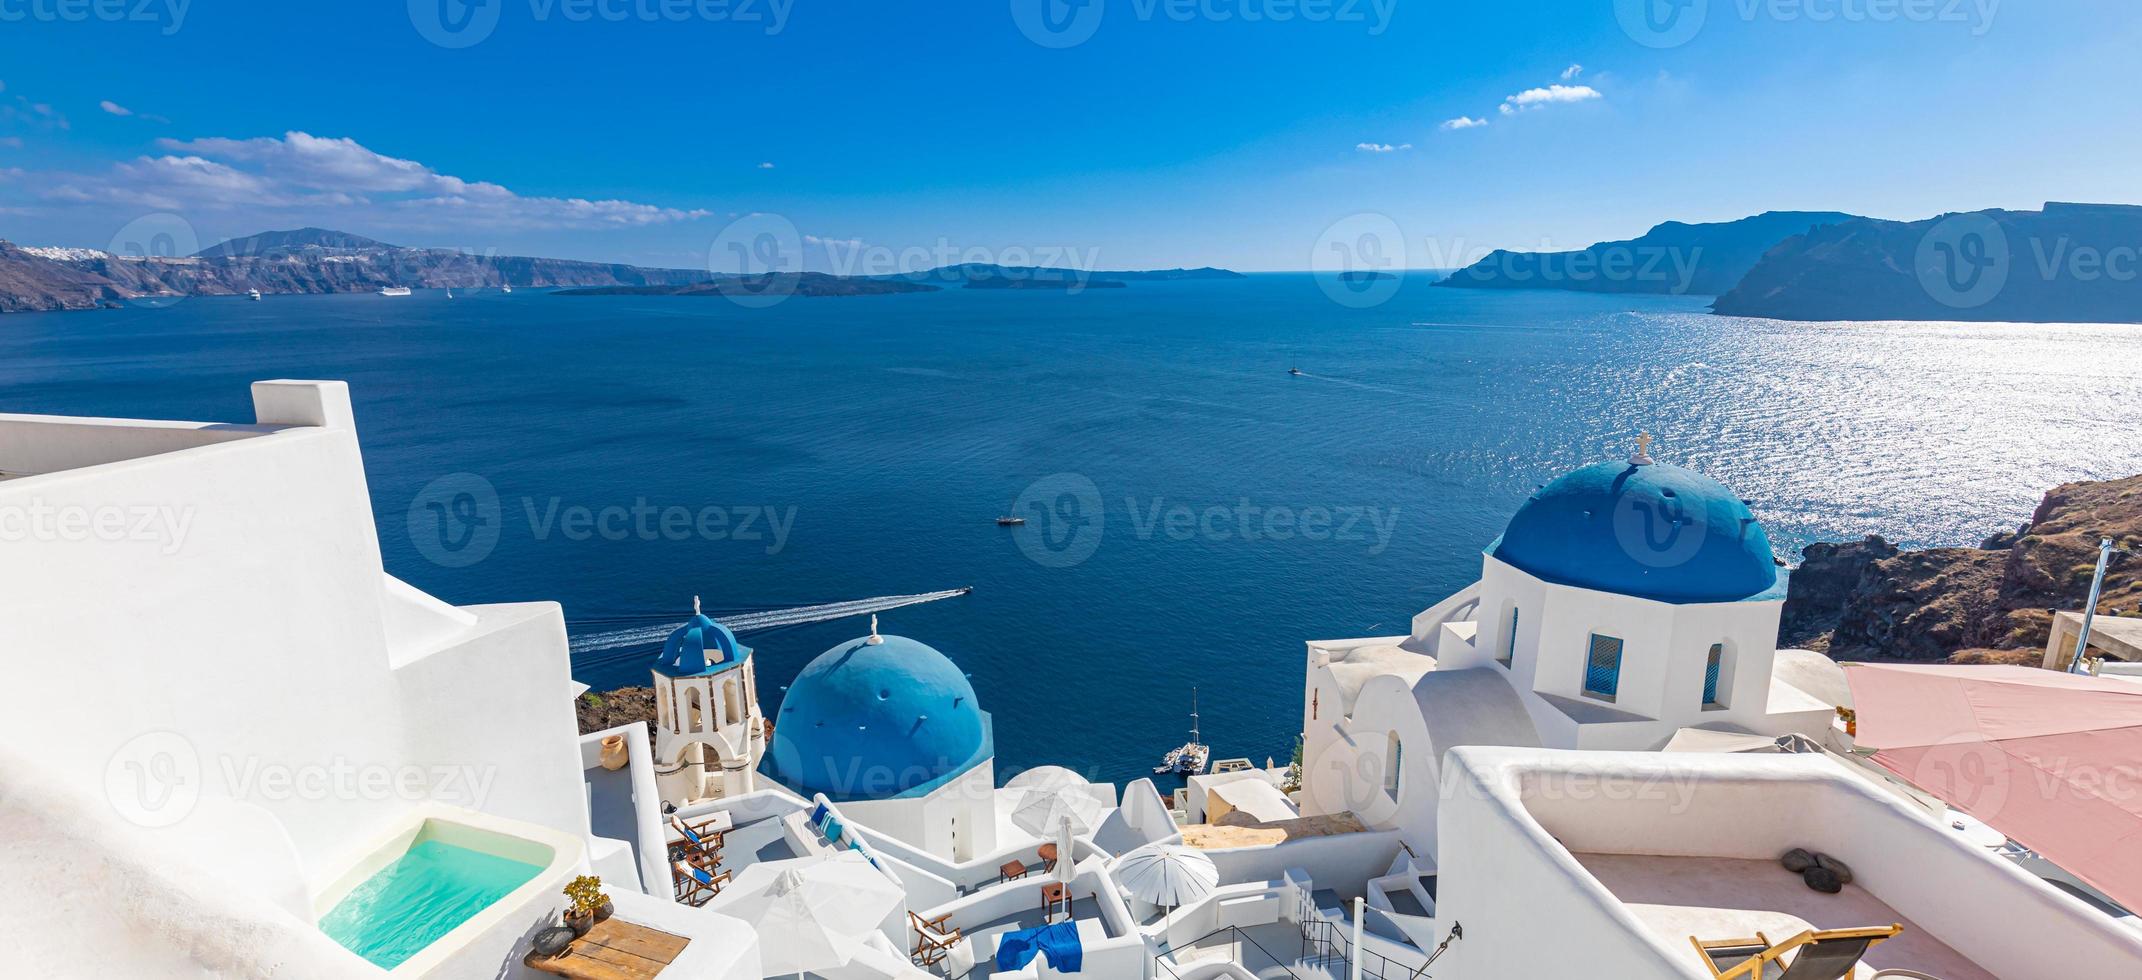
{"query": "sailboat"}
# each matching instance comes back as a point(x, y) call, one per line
point(1190, 758)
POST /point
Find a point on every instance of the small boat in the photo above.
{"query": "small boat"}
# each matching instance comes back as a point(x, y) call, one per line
point(253, 294)
point(1297, 372)
point(394, 291)
point(1190, 758)
point(505, 287)
point(449, 293)
point(1010, 521)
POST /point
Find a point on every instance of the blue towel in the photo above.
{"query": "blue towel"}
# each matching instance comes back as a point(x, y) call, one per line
point(818, 816)
point(1058, 942)
point(831, 830)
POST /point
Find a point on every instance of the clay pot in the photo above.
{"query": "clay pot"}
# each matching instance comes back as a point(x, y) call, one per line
point(580, 924)
point(608, 909)
point(614, 754)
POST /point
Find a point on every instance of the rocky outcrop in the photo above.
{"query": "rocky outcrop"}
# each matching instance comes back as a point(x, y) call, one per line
point(1674, 258)
point(1867, 599)
point(2070, 263)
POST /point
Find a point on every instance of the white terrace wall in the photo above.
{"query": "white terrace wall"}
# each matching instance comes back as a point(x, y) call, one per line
point(245, 638)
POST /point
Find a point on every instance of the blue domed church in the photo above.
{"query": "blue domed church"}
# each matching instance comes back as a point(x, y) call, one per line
point(890, 728)
point(1627, 605)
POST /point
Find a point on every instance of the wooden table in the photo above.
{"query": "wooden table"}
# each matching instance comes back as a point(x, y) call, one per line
point(613, 950)
point(1012, 869)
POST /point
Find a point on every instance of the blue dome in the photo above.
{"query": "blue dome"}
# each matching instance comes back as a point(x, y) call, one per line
point(877, 721)
point(701, 646)
point(1652, 531)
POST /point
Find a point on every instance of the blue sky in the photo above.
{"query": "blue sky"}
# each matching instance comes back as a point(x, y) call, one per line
point(1222, 132)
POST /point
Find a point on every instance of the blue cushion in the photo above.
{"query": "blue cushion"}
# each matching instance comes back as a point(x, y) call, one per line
point(831, 829)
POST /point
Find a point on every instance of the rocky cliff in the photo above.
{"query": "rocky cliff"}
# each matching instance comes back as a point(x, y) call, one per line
point(2070, 263)
point(292, 262)
point(1674, 258)
point(1867, 599)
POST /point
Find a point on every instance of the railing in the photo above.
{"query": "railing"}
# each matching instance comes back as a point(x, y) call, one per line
point(1234, 935)
point(1325, 942)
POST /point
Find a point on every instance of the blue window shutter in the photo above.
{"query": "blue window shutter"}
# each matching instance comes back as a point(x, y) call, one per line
point(1602, 667)
point(1710, 674)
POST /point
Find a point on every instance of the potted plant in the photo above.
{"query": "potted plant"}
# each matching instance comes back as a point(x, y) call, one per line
point(589, 904)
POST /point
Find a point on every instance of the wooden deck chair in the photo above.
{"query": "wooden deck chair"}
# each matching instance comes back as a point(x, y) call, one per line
point(932, 939)
point(1829, 954)
point(695, 840)
point(695, 885)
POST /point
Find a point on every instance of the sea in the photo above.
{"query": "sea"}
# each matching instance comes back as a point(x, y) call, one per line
point(1196, 512)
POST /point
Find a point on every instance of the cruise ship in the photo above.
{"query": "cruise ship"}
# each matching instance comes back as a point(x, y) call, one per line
point(241, 748)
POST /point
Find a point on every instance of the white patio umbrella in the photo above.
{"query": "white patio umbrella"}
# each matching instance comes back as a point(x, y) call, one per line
point(1169, 875)
point(1046, 777)
point(1039, 810)
point(814, 916)
point(1066, 866)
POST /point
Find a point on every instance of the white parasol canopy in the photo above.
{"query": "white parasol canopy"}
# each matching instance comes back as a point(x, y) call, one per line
point(1047, 777)
point(814, 916)
point(1169, 875)
point(1039, 810)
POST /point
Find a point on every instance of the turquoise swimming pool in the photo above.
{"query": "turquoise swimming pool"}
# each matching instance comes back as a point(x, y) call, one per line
point(423, 895)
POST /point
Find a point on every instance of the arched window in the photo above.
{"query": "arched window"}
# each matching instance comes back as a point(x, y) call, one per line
point(1394, 765)
point(694, 712)
point(1713, 668)
point(732, 708)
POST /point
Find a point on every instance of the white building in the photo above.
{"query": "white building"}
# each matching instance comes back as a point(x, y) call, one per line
point(1624, 603)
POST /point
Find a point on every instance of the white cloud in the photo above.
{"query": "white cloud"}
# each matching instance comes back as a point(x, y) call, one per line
point(327, 180)
point(114, 108)
point(1463, 122)
point(1536, 98)
point(1570, 73)
point(766, 166)
point(1382, 147)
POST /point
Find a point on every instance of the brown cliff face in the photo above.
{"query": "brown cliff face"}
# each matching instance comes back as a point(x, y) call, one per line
point(1868, 600)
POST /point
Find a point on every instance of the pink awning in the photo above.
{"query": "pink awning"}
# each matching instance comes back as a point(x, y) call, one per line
point(2052, 760)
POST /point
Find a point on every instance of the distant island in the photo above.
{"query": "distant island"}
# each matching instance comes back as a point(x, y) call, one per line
point(770, 284)
point(1673, 258)
point(304, 260)
point(320, 260)
point(1365, 276)
point(2069, 263)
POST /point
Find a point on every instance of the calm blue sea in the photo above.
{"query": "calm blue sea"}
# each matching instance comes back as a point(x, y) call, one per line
point(894, 429)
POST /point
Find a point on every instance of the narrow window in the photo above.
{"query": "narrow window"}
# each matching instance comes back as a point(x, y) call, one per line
point(1602, 668)
point(1509, 643)
point(1394, 762)
point(693, 710)
point(1314, 697)
point(1710, 676)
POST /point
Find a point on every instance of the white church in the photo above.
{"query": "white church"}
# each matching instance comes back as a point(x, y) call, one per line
point(1625, 603)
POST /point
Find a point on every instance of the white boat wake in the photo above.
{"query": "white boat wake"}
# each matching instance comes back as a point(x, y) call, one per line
point(753, 621)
